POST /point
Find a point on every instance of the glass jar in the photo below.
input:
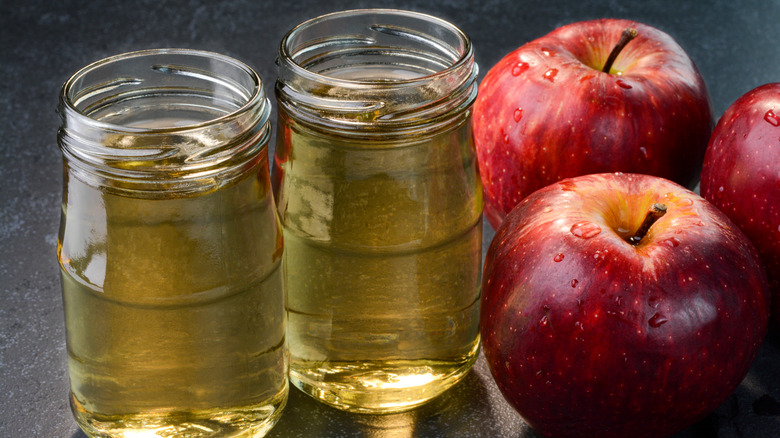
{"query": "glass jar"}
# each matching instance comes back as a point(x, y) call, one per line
point(381, 205)
point(170, 248)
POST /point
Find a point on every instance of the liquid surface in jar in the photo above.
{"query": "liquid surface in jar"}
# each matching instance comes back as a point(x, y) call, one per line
point(382, 264)
point(174, 310)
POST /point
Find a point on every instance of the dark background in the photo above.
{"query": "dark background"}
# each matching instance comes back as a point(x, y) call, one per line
point(736, 45)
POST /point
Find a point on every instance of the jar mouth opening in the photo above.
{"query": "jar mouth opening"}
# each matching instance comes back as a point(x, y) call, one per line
point(430, 55)
point(163, 121)
point(201, 99)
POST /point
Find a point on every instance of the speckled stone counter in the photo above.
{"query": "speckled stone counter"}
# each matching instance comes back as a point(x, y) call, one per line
point(735, 45)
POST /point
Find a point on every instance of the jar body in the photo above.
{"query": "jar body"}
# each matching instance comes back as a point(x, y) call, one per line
point(171, 276)
point(383, 235)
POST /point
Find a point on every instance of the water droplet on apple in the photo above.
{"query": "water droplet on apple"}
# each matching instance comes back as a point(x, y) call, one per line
point(654, 302)
point(546, 52)
point(550, 74)
point(622, 84)
point(567, 185)
point(520, 68)
point(547, 209)
point(585, 229)
point(579, 325)
point(772, 118)
point(619, 300)
point(558, 258)
point(543, 321)
point(574, 282)
point(720, 189)
point(671, 242)
point(686, 202)
point(644, 152)
point(518, 114)
point(657, 320)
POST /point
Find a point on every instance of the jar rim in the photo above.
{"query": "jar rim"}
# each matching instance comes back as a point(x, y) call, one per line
point(286, 57)
point(70, 108)
point(163, 121)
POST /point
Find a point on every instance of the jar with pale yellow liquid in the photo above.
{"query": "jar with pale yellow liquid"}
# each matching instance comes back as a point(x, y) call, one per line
point(170, 248)
point(377, 188)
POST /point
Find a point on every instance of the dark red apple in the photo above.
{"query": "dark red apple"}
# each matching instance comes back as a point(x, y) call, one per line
point(597, 322)
point(547, 111)
point(741, 175)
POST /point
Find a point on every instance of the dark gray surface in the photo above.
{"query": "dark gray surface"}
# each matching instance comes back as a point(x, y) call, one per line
point(735, 44)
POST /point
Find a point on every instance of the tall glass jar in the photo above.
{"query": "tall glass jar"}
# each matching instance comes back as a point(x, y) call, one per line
point(381, 205)
point(170, 248)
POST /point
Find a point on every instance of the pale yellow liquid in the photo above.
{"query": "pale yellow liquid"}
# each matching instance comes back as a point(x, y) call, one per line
point(174, 310)
point(382, 253)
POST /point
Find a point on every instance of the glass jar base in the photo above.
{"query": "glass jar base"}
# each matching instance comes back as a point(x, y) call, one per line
point(378, 387)
point(252, 421)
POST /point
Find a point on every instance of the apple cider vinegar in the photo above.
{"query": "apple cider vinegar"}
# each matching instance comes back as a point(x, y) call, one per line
point(171, 252)
point(380, 202)
point(159, 303)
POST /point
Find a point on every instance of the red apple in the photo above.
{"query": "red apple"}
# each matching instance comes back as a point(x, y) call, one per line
point(547, 111)
point(741, 175)
point(589, 335)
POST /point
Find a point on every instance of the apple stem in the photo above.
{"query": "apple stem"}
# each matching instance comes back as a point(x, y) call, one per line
point(628, 34)
point(655, 213)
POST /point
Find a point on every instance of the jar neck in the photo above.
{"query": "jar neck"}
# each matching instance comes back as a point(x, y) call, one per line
point(384, 72)
point(163, 121)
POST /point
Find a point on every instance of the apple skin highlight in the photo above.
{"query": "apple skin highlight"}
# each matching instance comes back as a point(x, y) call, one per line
point(589, 335)
point(546, 112)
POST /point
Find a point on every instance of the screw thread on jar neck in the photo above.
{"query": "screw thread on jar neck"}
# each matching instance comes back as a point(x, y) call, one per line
point(167, 120)
point(386, 71)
